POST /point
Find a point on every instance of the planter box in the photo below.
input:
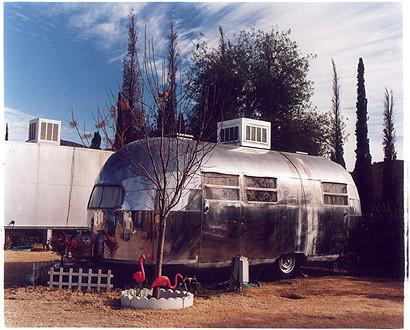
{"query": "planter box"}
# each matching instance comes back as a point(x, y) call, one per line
point(169, 299)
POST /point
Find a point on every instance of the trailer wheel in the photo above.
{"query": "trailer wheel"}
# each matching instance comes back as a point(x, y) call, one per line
point(286, 266)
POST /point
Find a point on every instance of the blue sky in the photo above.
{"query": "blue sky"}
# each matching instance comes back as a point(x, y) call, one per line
point(63, 56)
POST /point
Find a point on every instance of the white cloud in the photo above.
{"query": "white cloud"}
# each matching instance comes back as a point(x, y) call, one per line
point(343, 31)
point(18, 124)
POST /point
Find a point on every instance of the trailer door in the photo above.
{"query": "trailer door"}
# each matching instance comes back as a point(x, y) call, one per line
point(221, 223)
point(333, 219)
point(264, 217)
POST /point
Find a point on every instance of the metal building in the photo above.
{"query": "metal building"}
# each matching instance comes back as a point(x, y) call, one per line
point(47, 186)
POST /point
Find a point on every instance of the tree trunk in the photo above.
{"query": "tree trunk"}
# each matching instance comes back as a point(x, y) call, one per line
point(160, 251)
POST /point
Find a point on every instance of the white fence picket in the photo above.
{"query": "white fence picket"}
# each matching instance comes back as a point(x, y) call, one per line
point(79, 283)
point(80, 278)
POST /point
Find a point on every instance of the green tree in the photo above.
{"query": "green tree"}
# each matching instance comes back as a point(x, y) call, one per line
point(338, 126)
point(362, 170)
point(260, 75)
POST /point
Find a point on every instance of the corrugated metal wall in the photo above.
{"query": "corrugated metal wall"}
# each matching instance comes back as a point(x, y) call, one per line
point(48, 185)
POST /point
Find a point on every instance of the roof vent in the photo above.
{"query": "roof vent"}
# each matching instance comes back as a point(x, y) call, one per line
point(245, 132)
point(44, 131)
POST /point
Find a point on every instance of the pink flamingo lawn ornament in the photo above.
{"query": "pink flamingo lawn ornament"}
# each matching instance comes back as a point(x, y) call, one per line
point(163, 281)
point(139, 277)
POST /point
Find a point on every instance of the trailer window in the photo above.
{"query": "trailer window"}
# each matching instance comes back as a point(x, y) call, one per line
point(106, 197)
point(334, 193)
point(261, 196)
point(219, 179)
point(260, 182)
point(222, 193)
point(261, 189)
point(221, 186)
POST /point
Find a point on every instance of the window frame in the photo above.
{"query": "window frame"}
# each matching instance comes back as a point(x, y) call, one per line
point(217, 186)
point(261, 189)
point(99, 204)
point(324, 193)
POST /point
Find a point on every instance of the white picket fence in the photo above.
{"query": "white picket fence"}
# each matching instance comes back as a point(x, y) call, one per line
point(81, 279)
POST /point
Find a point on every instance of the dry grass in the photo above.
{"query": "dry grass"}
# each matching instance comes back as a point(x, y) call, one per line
point(314, 302)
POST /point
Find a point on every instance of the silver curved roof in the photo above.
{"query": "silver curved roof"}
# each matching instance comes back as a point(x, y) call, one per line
point(245, 160)
point(234, 160)
point(120, 169)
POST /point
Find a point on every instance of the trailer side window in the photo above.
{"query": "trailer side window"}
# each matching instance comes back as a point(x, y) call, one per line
point(334, 193)
point(221, 186)
point(222, 193)
point(260, 182)
point(106, 197)
point(261, 189)
point(219, 179)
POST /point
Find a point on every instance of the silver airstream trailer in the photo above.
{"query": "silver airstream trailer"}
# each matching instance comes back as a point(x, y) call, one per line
point(270, 206)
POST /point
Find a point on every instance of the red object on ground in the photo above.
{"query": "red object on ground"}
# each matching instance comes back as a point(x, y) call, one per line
point(139, 277)
point(163, 281)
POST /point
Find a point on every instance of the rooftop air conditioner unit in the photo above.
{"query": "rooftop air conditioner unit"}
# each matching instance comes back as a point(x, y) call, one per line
point(44, 131)
point(245, 132)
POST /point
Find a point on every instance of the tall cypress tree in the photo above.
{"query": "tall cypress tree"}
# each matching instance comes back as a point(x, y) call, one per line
point(388, 130)
point(6, 137)
point(133, 117)
point(119, 124)
point(181, 123)
point(96, 141)
point(389, 193)
point(166, 121)
point(362, 170)
point(337, 121)
point(171, 105)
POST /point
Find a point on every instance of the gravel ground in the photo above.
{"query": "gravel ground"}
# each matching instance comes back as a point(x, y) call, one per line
point(312, 302)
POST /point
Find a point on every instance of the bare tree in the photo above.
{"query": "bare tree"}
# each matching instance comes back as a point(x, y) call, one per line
point(167, 161)
point(175, 160)
point(337, 138)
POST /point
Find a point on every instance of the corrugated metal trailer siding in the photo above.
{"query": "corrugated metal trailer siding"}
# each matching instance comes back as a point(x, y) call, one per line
point(48, 186)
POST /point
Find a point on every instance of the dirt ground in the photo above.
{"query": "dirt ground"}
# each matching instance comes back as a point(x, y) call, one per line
point(311, 302)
